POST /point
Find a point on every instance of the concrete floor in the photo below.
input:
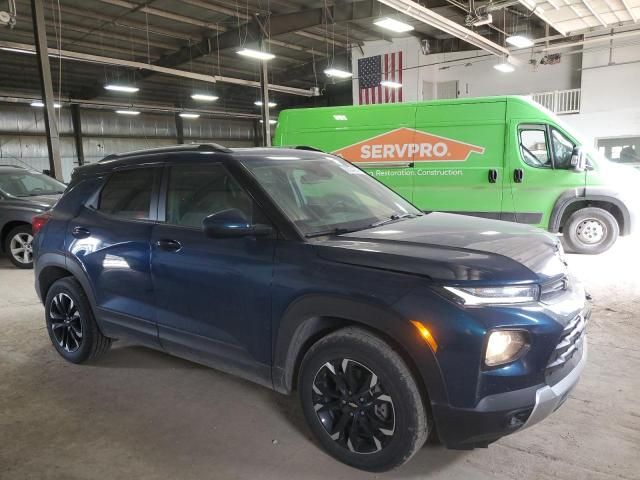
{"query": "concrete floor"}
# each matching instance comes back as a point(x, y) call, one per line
point(142, 414)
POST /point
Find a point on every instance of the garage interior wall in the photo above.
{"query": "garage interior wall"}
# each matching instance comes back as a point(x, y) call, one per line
point(23, 141)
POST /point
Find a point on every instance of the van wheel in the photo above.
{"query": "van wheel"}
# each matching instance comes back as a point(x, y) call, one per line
point(590, 230)
point(361, 401)
point(70, 322)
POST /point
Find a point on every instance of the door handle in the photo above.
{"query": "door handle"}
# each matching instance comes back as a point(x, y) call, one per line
point(168, 245)
point(518, 175)
point(80, 232)
point(493, 175)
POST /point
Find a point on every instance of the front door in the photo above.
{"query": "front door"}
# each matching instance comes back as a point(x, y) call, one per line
point(540, 172)
point(213, 294)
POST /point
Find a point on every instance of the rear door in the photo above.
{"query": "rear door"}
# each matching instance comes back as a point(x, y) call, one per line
point(110, 238)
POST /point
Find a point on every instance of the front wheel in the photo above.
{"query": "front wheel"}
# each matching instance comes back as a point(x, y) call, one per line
point(361, 401)
point(19, 248)
point(590, 230)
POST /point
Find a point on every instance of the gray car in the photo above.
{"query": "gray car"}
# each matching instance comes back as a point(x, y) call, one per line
point(23, 194)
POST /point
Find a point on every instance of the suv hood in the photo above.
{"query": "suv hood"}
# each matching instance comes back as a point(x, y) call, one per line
point(450, 247)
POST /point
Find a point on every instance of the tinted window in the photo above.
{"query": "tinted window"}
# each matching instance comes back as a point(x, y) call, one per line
point(197, 191)
point(533, 147)
point(128, 194)
point(562, 149)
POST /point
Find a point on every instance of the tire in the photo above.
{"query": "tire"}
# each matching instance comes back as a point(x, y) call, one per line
point(397, 417)
point(590, 230)
point(71, 325)
point(19, 246)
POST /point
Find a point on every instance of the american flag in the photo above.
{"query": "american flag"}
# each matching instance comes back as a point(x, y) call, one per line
point(372, 71)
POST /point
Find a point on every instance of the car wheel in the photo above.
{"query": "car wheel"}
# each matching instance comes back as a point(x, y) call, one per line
point(19, 246)
point(361, 401)
point(71, 324)
point(590, 230)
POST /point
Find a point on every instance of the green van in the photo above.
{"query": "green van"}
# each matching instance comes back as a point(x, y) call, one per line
point(497, 157)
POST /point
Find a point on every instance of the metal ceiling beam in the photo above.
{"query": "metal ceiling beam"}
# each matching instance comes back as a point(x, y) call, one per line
point(84, 57)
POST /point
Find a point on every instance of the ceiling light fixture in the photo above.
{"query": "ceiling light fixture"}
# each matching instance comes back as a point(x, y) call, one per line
point(390, 84)
point(17, 50)
point(258, 103)
point(204, 97)
point(257, 54)
point(393, 25)
point(121, 88)
point(340, 117)
point(190, 115)
point(128, 112)
point(519, 41)
point(39, 104)
point(504, 67)
point(337, 73)
point(271, 121)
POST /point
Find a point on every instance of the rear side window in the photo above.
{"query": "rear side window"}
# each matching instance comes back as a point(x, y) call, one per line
point(197, 191)
point(534, 147)
point(127, 194)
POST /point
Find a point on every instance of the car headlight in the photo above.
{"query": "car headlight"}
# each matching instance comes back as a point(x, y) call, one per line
point(495, 295)
point(504, 346)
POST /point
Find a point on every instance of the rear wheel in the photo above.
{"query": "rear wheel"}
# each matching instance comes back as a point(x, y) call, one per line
point(70, 322)
point(361, 401)
point(590, 230)
point(18, 246)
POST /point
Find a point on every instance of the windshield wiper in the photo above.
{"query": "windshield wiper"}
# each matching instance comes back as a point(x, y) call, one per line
point(394, 217)
point(332, 231)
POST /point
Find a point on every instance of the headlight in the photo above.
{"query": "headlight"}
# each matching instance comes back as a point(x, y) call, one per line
point(495, 295)
point(505, 346)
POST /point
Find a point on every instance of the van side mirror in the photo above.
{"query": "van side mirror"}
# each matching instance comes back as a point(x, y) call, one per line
point(578, 160)
point(232, 223)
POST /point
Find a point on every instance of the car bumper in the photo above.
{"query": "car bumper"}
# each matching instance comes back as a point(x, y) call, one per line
point(502, 414)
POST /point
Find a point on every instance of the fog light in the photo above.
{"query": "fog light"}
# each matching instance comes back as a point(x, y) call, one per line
point(504, 346)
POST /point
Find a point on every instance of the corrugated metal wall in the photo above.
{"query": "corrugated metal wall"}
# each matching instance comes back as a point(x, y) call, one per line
point(22, 139)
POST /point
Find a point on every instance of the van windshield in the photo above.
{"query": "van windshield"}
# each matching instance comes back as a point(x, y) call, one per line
point(325, 195)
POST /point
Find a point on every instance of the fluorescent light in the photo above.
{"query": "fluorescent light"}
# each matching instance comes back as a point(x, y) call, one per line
point(504, 67)
point(271, 122)
point(390, 84)
point(519, 41)
point(128, 112)
point(247, 52)
point(340, 118)
point(39, 104)
point(203, 97)
point(335, 72)
point(190, 115)
point(393, 25)
point(258, 103)
point(483, 20)
point(17, 50)
point(121, 88)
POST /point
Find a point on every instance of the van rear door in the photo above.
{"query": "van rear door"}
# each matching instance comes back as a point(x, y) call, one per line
point(459, 164)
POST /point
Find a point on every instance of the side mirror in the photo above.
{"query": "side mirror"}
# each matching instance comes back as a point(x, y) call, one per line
point(232, 223)
point(578, 160)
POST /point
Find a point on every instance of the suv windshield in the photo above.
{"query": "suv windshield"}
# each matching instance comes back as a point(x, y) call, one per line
point(324, 195)
point(29, 184)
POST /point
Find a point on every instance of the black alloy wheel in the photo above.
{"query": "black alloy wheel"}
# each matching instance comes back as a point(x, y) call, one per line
point(65, 322)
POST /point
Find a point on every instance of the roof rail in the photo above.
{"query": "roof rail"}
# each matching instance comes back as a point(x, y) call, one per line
point(195, 147)
point(309, 148)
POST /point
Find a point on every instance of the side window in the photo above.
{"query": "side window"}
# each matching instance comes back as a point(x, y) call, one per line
point(127, 194)
point(562, 149)
point(534, 147)
point(197, 191)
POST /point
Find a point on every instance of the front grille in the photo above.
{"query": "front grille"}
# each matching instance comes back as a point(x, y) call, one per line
point(570, 343)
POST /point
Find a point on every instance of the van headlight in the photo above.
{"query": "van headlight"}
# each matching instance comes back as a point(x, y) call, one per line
point(504, 346)
point(495, 295)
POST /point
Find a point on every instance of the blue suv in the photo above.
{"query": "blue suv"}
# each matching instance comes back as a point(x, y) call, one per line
point(298, 271)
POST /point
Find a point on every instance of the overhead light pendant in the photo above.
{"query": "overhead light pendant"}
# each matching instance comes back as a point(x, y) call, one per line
point(121, 88)
point(390, 84)
point(189, 115)
point(337, 73)
point(393, 25)
point(271, 121)
point(39, 104)
point(127, 112)
point(520, 41)
point(258, 103)
point(504, 67)
point(202, 97)
point(257, 54)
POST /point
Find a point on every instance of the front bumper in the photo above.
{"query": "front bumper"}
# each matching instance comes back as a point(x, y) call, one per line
point(502, 414)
